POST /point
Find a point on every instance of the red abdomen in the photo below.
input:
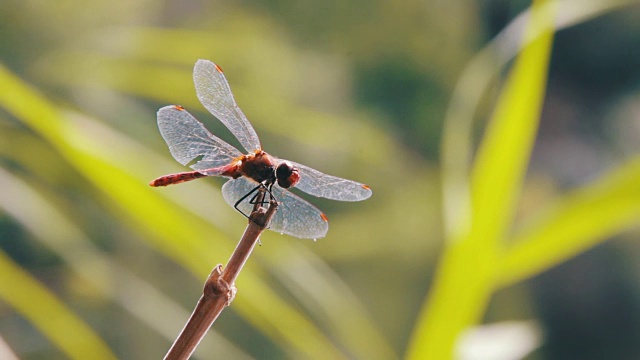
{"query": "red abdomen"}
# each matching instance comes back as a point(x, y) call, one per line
point(176, 178)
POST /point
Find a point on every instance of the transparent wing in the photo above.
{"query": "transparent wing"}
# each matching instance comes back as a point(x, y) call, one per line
point(315, 183)
point(295, 216)
point(188, 139)
point(215, 94)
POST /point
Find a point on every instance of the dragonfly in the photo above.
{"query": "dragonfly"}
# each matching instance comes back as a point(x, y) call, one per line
point(189, 141)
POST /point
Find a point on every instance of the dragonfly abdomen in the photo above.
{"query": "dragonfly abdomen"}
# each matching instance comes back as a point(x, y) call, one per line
point(176, 178)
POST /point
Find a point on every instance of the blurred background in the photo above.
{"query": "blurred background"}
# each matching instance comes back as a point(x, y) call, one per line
point(94, 261)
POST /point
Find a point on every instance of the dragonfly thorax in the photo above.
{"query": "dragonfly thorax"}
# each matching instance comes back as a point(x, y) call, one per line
point(264, 168)
point(258, 166)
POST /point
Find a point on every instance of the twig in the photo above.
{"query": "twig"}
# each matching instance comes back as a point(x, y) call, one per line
point(219, 289)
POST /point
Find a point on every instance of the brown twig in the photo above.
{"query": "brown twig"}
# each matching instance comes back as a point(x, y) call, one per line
point(219, 289)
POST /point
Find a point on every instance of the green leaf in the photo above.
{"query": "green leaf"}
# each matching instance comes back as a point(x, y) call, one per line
point(463, 282)
point(575, 223)
point(54, 319)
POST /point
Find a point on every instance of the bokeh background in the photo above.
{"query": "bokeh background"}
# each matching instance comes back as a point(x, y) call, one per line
point(96, 264)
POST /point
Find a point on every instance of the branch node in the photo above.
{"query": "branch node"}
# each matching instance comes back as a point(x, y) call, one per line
point(217, 286)
point(219, 289)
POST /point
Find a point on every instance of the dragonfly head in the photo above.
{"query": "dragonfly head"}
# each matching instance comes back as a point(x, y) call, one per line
point(287, 175)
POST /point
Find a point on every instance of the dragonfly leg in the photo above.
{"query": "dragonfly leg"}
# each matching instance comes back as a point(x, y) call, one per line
point(254, 198)
point(264, 201)
point(235, 206)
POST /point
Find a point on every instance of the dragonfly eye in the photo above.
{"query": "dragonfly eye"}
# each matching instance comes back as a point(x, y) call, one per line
point(287, 175)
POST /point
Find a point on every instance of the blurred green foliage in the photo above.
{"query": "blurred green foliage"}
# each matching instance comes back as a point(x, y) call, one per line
point(414, 98)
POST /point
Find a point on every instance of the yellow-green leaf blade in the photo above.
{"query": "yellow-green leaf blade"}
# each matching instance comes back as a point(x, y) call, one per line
point(575, 223)
point(46, 312)
point(464, 279)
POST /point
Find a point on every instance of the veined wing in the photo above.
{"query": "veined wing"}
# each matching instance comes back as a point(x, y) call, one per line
point(215, 94)
point(295, 216)
point(187, 139)
point(315, 183)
